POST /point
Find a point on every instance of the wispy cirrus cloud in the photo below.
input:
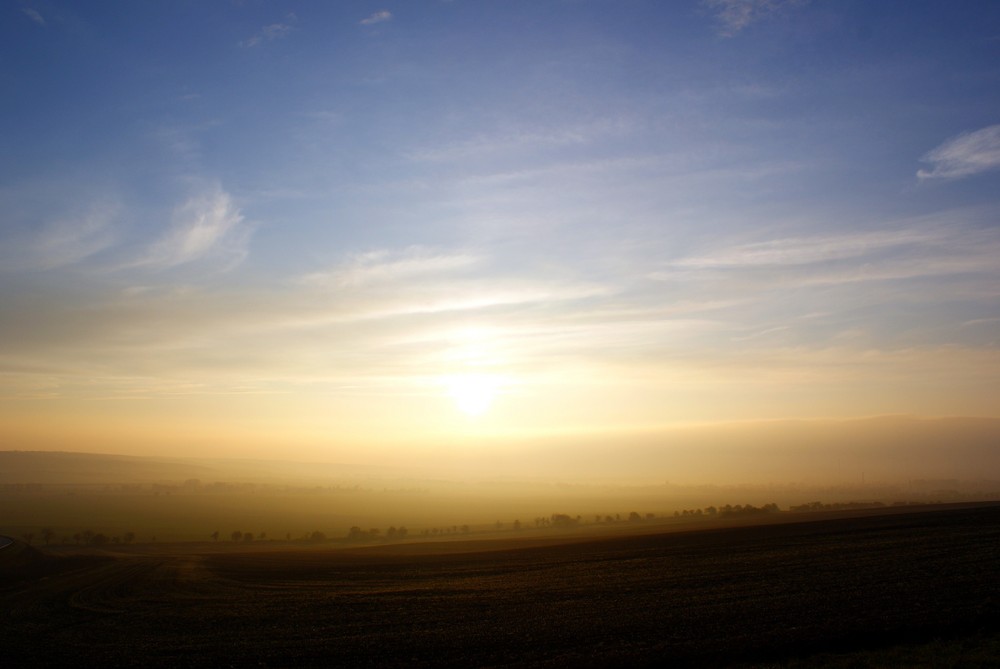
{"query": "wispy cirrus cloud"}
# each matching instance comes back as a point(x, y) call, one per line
point(805, 251)
point(378, 17)
point(516, 140)
point(206, 225)
point(66, 241)
point(269, 33)
point(962, 156)
point(33, 15)
point(384, 266)
point(905, 253)
point(735, 15)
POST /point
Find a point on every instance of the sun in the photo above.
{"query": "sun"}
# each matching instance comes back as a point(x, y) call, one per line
point(473, 394)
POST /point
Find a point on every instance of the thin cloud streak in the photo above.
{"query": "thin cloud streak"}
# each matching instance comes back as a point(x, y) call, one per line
point(270, 33)
point(735, 15)
point(963, 156)
point(67, 241)
point(206, 225)
point(905, 253)
point(385, 266)
point(527, 139)
point(33, 15)
point(377, 17)
point(805, 251)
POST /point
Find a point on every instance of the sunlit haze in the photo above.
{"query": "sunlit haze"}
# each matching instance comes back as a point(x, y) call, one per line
point(646, 240)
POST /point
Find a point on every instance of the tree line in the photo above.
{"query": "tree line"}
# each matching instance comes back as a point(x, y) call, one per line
point(393, 533)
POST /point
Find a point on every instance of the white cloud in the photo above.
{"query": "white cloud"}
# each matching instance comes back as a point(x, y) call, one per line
point(63, 242)
point(377, 17)
point(482, 295)
point(906, 253)
point(269, 33)
point(68, 242)
point(969, 153)
point(206, 225)
point(384, 266)
point(735, 15)
point(33, 15)
point(513, 141)
point(804, 251)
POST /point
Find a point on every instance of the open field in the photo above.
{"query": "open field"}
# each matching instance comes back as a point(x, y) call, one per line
point(903, 588)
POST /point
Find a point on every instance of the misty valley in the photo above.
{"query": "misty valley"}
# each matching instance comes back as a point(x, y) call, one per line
point(188, 572)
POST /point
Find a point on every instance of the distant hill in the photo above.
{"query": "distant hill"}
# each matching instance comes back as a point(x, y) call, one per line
point(64, 468)
point(56, 467)
point(930, 453)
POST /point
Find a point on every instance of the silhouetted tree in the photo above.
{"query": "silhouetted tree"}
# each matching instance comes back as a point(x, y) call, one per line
point(99, 539)
point(634, 517)
point(129, 537)
point(562, 520)
point(317, 536)
point(29, 537)
point(215, 535)
point(47, 534)
point(236, 535)
point(517, 524)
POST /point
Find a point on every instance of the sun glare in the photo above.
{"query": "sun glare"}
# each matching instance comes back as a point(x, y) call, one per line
point(473, 394)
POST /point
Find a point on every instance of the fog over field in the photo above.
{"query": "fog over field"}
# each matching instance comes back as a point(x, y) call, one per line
point(889, 449)
point(529, 333)
point(705, 242)
point(881, 461)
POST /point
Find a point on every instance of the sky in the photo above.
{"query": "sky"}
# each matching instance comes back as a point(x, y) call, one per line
point(352, 231)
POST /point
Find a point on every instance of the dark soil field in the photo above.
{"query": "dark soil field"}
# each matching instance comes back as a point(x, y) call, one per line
point(920, 588)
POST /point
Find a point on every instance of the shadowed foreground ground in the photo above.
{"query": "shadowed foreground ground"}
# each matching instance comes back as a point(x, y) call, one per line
point(779, 593)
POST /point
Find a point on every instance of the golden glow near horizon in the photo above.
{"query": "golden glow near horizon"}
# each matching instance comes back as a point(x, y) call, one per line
point(473, 393)
point(489, 223)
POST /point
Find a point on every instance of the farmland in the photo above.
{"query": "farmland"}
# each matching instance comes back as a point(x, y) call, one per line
point(921, 581)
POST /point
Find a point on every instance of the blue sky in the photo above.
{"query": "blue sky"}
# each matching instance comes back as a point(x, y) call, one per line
point(608, 215)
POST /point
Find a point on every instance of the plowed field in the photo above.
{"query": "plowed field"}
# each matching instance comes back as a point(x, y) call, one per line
point(769, 594)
